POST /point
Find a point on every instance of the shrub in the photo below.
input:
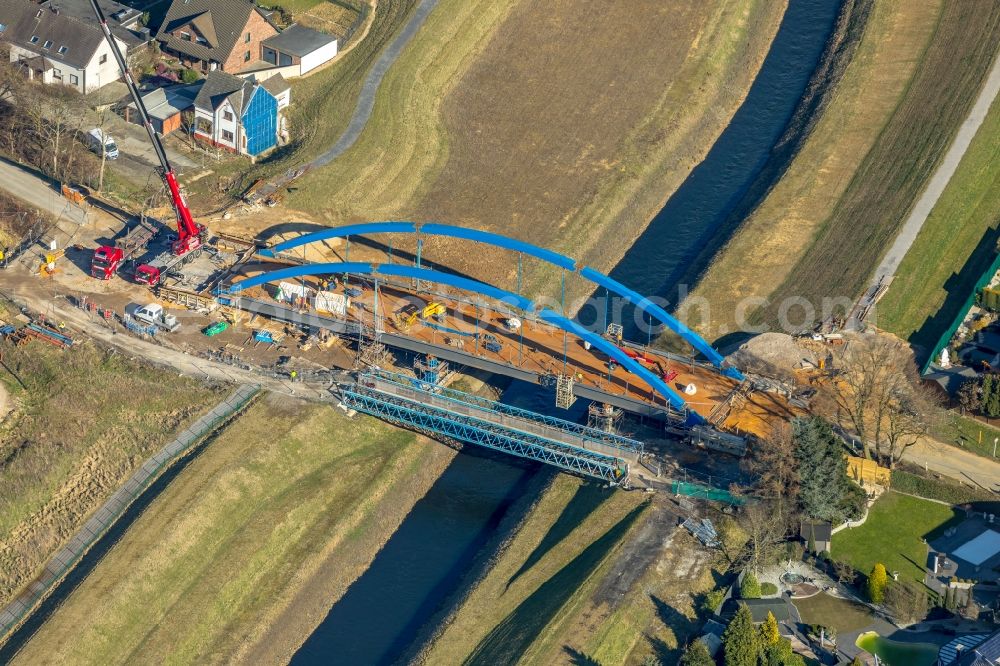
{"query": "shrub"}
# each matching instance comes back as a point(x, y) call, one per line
point(878, 580)
point(749, 586)
point(711, 600)
point(189, 76)
point(768, 589)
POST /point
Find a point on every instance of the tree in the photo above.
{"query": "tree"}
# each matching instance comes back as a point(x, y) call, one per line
point(991, 396)
point(878, 580)
point(823, 480)
point(765, 529)
point(780, 654)
point(906, 600)
point(879, 396)
point(749, 586)
point(772, 462)
point(739, 642)
point(696, 654)
point(969, 395)
point(769, 633)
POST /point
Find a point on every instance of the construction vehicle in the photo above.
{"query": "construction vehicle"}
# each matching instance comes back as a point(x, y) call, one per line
point(155, 315)
point(490, 343)
point(108, 259)
point(48, 265)
point(214, 329)
point(189, 233)
point(153, 272)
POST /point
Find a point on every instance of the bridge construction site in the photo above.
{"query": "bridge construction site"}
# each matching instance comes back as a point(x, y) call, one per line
point(386, 338)
point(389, 337)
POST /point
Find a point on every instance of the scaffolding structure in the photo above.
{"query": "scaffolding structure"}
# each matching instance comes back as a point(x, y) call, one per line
point(564, 391)
point(605, 417)
point(430, 369)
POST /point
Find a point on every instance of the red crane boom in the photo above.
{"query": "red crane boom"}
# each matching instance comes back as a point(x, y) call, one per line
point(188, 231)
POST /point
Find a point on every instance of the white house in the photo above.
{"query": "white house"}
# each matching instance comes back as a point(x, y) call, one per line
point(301, 46)
point(54, 47)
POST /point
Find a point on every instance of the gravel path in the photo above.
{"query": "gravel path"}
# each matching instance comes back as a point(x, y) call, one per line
point(942, 175)
point(34, 191)
point(366, 101)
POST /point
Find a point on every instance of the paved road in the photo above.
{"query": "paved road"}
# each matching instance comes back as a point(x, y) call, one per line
point(942, 175)
point(366, 101)
point(37, 192)
point(956, 463)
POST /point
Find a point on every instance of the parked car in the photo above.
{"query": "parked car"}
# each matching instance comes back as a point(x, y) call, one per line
point(96, 138)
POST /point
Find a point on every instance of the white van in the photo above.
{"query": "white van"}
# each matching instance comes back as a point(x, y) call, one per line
point(97, 138)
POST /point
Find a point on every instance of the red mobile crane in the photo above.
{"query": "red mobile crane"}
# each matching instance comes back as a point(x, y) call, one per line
point(189, 233)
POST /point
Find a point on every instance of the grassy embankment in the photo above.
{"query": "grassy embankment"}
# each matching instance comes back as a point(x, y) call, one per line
point(852, 240)
point(890, 117)
point(70, 440)
point(511, 117)
point(956, 244)
point(892, 535)
point(241, 556)
point(586, 576)
point(322, 104)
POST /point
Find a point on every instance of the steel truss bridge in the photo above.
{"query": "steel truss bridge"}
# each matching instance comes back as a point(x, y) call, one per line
point(446, 413)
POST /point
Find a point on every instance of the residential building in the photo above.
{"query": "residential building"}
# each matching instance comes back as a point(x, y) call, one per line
point(124, 21)
point(821, 534)
point(166, 106)
point(57, 48)
point(971, 650)
point(211, 35)
point(301, 47)
point(237, 114)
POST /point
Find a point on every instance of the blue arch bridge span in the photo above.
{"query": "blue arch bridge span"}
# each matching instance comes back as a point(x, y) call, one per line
point(448, 320)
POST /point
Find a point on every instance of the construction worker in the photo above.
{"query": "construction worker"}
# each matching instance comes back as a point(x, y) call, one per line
point(294, 374)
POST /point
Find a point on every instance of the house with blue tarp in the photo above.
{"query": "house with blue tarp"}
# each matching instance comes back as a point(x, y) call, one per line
point(238, 114)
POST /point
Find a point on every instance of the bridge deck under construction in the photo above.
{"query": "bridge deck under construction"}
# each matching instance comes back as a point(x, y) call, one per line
point(533, 352)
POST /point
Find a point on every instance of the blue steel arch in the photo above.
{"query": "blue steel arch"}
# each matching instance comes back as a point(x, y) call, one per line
point(497, 240)
point(522, 303)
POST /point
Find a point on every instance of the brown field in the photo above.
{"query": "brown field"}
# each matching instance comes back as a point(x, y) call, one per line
point(763, 251)
point(70, 441)
point(544, 136)
point(241, 556)
point(849, 243)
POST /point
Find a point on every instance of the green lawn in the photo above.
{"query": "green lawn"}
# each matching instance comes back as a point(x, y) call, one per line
point(968, 433)
point(892, 535)
point(957, 240)
point(840, 614)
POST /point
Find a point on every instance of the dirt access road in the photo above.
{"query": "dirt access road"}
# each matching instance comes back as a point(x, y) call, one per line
point(954, 462)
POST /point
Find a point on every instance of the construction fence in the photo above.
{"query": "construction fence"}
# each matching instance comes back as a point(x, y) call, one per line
point(102, 520)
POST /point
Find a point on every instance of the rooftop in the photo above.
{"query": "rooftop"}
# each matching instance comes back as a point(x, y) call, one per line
point(298, 40)
point(164, 103)
point(220, 22)
point(54, 34)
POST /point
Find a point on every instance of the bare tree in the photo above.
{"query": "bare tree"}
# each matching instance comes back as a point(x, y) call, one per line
point(765, 529)
point(772, 463)
point(878, 395)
